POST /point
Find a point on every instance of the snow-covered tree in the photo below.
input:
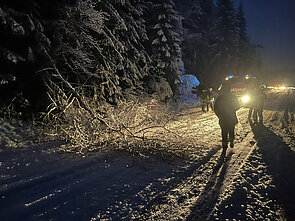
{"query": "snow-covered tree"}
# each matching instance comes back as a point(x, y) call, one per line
point(100, 47)
point(134, 37)
point(23, 48)
point(165, 40)
point(120, 58)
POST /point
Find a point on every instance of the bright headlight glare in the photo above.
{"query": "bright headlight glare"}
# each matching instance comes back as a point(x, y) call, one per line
point(245, 98)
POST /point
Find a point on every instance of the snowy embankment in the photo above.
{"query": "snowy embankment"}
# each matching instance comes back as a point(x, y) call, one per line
point(254, 181)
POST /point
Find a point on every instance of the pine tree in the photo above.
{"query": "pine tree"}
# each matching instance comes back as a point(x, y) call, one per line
point(165, 41)
point(121, 60)
point(198, 36)
point(202, 15)
point(23, 48)
point(224, 50)
point(134, 37)
point(246, 49)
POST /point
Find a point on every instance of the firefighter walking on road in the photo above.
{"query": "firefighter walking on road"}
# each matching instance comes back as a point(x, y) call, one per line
point(225, 108)
point(204, 100)
point(258, 105)
point(251, 93)
point(209, 99)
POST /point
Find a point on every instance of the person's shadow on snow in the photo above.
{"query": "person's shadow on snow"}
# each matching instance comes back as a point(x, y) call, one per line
point(280, 160)
point(209, 196)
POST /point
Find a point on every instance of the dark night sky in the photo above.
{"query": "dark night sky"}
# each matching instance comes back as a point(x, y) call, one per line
point(271, 23)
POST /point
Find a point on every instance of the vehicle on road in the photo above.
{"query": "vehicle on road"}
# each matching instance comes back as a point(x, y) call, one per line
point(241, 86)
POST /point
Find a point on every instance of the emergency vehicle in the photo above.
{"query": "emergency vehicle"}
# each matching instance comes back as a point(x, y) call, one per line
point(241, 86)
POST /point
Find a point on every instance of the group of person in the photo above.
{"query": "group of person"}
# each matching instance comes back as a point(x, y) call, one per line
point(225, 108)
point(207, 99)
point(256, 104)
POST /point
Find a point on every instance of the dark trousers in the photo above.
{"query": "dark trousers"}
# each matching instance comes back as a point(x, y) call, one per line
point(250, 112)
point(228, 134)
point(258, 115)
point(209, 104)
point(203, 105)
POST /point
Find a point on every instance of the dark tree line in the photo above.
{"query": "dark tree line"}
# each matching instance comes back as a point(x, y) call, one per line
point(216, 41)
point(110, 48)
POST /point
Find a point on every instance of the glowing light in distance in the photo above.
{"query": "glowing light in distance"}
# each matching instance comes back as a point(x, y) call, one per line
point(282, 88)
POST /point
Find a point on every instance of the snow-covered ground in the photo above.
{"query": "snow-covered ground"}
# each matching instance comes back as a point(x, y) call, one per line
point(254, 181)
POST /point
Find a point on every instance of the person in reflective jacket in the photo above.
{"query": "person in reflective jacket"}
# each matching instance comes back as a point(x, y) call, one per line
point(209, 99)
point(204, 100)
point(225, 108)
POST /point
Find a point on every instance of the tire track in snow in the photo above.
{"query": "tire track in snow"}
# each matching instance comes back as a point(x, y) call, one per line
point(175, 205)
point(224, 174)
point(178, 179)
point(199, 191)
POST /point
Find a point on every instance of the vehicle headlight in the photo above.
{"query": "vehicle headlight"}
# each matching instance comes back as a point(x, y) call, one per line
point(245, 99)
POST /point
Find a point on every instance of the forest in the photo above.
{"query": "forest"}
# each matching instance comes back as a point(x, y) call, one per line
point(103, 73)
point(108, 50)
point(94, 125)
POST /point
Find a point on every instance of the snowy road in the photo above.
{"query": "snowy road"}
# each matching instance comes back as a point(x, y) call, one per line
point(254, 181)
